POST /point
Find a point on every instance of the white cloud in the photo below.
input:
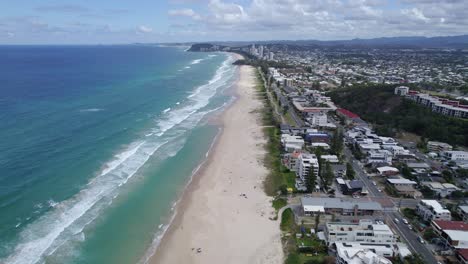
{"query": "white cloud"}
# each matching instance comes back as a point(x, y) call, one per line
point(145, 29)
point(414, 13)
point(326, 19)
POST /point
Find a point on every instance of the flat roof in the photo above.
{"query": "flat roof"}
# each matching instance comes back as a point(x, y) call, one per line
point(339, 203)
point(387, 168)
point(401, 181)
point(451, 225)
point(457, 235)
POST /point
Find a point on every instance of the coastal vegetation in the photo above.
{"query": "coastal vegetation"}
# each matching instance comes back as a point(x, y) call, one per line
point(391, 114)
point(279, 178)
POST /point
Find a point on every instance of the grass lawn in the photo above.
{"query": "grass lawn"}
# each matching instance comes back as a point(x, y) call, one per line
point(287, 220)
point(289, 119)
point(289, 177)
point(279, 203)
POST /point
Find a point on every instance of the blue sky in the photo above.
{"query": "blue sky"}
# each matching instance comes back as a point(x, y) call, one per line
point(124, 21)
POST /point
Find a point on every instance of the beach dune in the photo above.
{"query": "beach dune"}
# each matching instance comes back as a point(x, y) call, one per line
point(224, 215)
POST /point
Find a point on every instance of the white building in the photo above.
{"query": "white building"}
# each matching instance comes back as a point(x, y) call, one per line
point(356, 254)
point(379, 156)
point(432, 210)
point(442, 189)
point(330, 158)
point(438, 146)
point(385, 250)
point(455, 155)
point(305, 163)
point(364, 231)
point(319, 119)
point(291, 143)
point(401, 90)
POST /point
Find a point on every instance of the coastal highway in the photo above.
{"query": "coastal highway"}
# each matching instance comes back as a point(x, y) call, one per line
point(407, 235)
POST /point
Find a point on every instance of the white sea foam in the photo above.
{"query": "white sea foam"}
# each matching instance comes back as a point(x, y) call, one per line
point(187, 67)
point(66, 220)
point(196, 61)
point(167, 110)
point(91, 110)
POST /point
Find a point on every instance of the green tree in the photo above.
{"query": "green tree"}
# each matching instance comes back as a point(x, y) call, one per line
point(448, 176)
point(350, 173)
point(327, 176)
point(427, 192)
point(311, 180)
point(285, 109)
point(337, 142)
point(429, 234)
point(457, 195)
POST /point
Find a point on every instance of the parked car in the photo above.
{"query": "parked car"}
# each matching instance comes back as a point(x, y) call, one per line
point(421, 240)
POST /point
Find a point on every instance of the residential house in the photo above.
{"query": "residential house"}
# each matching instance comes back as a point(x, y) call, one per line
point(387, 171)
point(404, 187)
point(453, 233)
point(291, 143)
point(363, 231)
point(438, 146)
point(330, 158)
point(442, 189)
point(352, 186)
point(455, 155)
point(432, 210)
point(462, 211)
point(315, 205)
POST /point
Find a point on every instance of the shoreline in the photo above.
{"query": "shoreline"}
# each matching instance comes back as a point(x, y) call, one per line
point(175, 246)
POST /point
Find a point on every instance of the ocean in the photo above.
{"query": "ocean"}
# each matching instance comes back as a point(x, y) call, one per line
point(97, 143)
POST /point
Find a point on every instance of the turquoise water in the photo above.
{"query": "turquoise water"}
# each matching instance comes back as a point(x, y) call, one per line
point(96, 145)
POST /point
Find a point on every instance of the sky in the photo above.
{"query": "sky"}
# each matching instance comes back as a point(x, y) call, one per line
point(150, 21)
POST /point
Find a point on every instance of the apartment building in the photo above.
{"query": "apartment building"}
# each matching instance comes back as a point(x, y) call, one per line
point(305, 163)
point(364, 231)
point(432, 210)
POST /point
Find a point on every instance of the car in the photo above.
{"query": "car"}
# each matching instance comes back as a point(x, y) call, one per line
point(397, 221)
point(380, 190)
point(410, 227)
point(420, 239)
point(405, 221)
point(374, 183)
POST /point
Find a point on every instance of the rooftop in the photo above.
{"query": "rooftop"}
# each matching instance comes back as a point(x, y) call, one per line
point(401, 181)
point(339, 203)
point(347, 113)
point(451, 225)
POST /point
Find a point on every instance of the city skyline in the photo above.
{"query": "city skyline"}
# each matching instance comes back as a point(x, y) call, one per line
point(106, 22)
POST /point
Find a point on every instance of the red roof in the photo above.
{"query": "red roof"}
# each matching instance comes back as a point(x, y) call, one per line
point(463, 252)
point(347, 113)
point(451, 225)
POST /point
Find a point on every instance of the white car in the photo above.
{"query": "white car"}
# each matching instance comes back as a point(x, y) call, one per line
point(374, 183)
point(380, 190)
point(421, 240)
point(397, 221)
point(405, 221)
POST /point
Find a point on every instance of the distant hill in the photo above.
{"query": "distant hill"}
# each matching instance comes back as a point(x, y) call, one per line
point(450, 42)
point(390, 114)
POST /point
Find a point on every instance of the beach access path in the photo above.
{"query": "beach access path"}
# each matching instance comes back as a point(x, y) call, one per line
point(223, 216)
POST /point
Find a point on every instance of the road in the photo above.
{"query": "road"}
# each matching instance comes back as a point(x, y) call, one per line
point(403, 231)
point(283, 99)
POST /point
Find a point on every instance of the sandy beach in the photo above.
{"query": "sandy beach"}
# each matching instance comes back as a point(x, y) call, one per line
point(225, 212)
